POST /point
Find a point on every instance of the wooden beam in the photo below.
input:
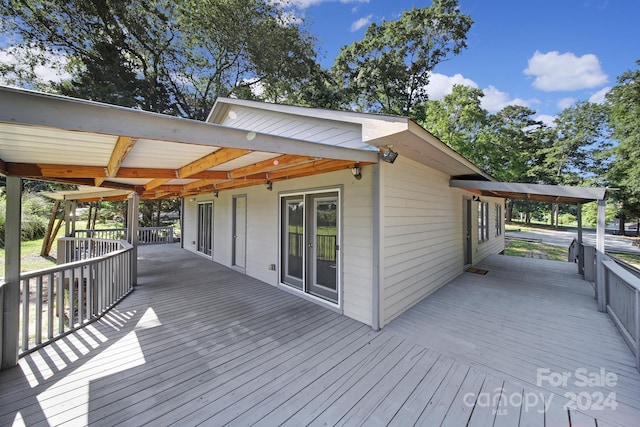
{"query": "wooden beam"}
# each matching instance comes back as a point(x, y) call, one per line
point(120, 151)
point(199, 184)
point(216, 158)
point(156, 183)
point(311, 168)
point(270, 164)
point(20, 107)
point(239, 183)
point(29, 170)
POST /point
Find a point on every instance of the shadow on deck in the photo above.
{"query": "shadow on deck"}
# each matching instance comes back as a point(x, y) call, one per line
point(200, 343)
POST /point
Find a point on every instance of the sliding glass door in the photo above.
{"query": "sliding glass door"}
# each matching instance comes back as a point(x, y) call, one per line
point(310, 243)
point(205, 228)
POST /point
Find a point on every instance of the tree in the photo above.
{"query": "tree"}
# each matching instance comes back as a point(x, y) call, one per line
point(167, 56)
point(388, 71)
point(575, 152)
point(458, 120)
point(624, 119)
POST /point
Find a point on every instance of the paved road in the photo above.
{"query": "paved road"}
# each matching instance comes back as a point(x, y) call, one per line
point(564, 238)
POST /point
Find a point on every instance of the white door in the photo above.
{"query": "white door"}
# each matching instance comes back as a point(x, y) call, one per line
point(239, 231)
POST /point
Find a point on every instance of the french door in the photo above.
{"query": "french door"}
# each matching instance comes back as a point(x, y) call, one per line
point(205, 228)
point(239, 231)
point(310, 244)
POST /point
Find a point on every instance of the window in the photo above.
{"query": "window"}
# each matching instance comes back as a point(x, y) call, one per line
point(498, 219)
point(483, 221)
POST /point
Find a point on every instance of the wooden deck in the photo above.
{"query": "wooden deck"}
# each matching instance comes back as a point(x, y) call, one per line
point(198, 343)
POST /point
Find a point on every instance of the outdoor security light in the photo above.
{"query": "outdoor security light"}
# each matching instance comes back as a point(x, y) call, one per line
point(357, 172)
point(269, 186)
point(389, 156)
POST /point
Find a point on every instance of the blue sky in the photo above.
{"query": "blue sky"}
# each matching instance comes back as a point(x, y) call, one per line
point(544, 54)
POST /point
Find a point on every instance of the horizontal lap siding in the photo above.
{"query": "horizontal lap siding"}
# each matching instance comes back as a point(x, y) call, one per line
point(262, 232)
point(422, 229)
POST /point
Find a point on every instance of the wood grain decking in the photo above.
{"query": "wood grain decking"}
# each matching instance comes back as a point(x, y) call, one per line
point(198, 343)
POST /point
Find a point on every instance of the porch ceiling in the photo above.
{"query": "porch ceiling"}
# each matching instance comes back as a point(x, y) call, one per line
point(533, 192)
point(80, 142)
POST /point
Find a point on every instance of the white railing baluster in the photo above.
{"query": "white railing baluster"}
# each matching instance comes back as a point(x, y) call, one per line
point(97, 274)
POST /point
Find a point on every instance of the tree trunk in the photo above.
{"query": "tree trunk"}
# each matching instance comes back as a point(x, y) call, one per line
point(89, 217)
point(621, 230)
point(527, 218)
point(509, 210)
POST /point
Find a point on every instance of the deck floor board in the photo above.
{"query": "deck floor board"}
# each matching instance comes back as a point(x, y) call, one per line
point(201, 343)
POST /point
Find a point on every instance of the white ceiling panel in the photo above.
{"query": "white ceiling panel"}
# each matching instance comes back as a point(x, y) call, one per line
point(34, 144)
point(148, 153)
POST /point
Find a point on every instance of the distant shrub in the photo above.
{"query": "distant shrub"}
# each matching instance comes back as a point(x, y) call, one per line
point(35, 216)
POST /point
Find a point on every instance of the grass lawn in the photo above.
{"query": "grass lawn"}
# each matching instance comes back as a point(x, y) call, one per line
point(632, 259)
point(535, 250)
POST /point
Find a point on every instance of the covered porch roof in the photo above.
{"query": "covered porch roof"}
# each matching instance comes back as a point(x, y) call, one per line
point(533, 192)
point(61, 139)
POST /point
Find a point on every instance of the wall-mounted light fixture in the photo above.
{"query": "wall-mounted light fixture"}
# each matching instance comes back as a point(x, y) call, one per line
point(389, 156)
point(476, 198)
point(357, 172)
point(269, 186)
point(192, 199)
point(215, 194)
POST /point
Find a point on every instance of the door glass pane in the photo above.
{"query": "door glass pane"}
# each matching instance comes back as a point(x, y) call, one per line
point(293, 241)
point(205, 228)
point(326, 222)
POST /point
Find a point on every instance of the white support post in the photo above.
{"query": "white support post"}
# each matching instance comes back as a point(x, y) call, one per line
point(580, 248)
point(132, 233)
point(67, 218)
point(10, 290)
point(600, 274)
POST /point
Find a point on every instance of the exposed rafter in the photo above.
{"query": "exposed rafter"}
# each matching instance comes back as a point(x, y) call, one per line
point(270, 164)
point(216, 158)
point(156, 183)
point(122, 148)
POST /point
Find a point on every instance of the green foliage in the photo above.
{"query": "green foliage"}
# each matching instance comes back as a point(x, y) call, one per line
point(388, 70)
point(35, 216)
point(624, 119)
point(590, 213)
point(167, 56)
point(458, 120)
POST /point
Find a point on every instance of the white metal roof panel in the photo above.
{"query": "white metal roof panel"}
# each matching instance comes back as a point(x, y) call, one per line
point(35, 144)
point(166, 155)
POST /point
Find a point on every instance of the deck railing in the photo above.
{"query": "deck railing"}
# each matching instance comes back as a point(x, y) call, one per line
point(60, 299)
point(146, 235)
point(618, 293)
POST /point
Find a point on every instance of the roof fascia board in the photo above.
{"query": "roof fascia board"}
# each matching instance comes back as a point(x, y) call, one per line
point(24, 107)
point(583, 193)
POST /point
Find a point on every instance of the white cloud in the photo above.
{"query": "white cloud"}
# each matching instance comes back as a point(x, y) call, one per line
point(51, 69)
point(566, 103)
point(495, 100)
point(362, 22)
point(555, 71)
point(441, 85)
point(598, 97)
point(547, 120)
point(303, 4)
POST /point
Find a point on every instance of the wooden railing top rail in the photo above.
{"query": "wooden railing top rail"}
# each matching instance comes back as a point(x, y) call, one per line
point(623, 274)
point(125, 247)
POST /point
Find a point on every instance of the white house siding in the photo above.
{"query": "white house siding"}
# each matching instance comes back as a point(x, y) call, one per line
point(422, 242)
point(263, 239)
point(290, 126)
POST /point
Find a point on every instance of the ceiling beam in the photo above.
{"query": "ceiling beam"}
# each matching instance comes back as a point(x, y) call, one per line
point(28, 170)
point(216, 158)
point(155, 183)
point(120, 151)
point(18, 106)
point(269, 164)
point(200, 183)
point(310, 168)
